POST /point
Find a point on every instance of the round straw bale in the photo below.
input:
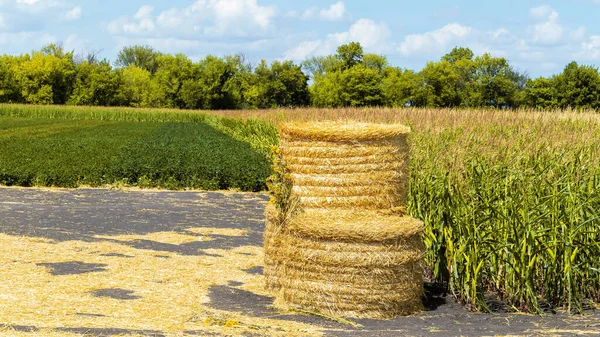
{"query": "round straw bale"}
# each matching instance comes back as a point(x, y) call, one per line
point(344, 191)
point(350, 251)
point(325, 151)
point(339, 172)
point(402, 302)
point(292, 248)
point(374, 202)
point(350, 168)
point(347, 279)
point(384, 158)
point(355, 179)
point(341, 131)
point(356, 226)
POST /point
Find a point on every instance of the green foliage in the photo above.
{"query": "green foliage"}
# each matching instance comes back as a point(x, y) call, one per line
point(350, 54)
point(319, 65)
point(213, 83)
point(144, 57)
point(96, 84)
point(282, 85)
point(351, 77)
point(185, 155)
point(349, 82)
point(458, 54)
point(379, 63)
point(399, 87)
point(578, 87)
point(173, 72)
point(9, 88)
point(174, 155)
point(361, 87)
point(46, 77)
point(540, 93)
point(326, 91)
point(497, 84)
point(439, 86)
point(138, 89)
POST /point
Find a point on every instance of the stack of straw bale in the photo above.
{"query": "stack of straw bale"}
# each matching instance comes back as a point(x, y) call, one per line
point(347, 249)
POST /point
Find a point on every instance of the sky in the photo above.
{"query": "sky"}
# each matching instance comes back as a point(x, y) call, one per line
point(537, 36)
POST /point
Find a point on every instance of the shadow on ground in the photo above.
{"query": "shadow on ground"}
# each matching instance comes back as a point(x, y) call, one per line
point(82, 214)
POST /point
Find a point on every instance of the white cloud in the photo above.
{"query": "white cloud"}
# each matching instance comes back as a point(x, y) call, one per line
point(194, 48)
point(436, 41)
point(303, 50)
point(543, 12)
point(73, 14)
point(76, 44)
point(335, 12)
point(547, 31)
point(578, 34)
point(371, 35)
point(37, 6)
point(201, 18)
point(34, 15)
point(590, 49)
point(31, 40)
point(28, 2)
point(309, 13)
point(292, 14)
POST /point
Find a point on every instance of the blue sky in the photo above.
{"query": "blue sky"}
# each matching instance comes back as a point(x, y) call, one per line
point(539, 37)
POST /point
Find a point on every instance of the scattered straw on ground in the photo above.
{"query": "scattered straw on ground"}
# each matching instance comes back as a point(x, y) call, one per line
point(169, 295)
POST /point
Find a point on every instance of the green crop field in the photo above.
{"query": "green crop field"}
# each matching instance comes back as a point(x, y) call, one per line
point(510, 199)
point(70, 150)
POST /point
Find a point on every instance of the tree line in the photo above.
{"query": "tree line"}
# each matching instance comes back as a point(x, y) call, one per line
point(144, 77)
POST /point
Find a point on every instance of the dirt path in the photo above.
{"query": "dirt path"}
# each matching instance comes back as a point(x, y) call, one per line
point(106, 244)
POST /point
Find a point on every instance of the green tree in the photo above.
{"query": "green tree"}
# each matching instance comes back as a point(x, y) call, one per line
point(326, 91)
point(191, 94)
point(214, 83)
point(458, 54)
point(497, 83)
point(144, 57)
point(10, 92)
point(462, 63)
point(578, 87)
point(540, 93)
point(361, 86)
point(283, 84)
point(376, 62)
point(95, 84)
point(240, 81)
point(439, 86)
point(319, 65)
point(171, 74)
point(137, 89)
point(47, 76)
point(399, 86)
point(350, 54)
